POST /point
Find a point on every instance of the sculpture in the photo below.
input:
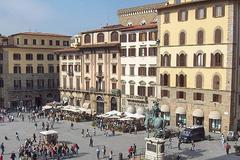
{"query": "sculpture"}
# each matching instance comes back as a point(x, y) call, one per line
point(155, 121)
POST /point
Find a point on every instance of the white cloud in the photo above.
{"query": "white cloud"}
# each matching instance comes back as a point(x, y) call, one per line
point(23, 15)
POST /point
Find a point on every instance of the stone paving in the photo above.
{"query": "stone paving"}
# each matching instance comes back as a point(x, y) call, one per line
point(205, 150)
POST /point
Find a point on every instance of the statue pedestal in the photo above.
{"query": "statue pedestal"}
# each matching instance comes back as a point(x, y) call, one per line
point(154, 149)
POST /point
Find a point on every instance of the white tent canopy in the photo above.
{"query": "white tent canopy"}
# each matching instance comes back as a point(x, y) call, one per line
point(114, 112)
point(48, 132)
point(137, 116)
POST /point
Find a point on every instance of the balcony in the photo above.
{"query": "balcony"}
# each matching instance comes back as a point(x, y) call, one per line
point(137, 98)
point(70, 73)
point(99, 75)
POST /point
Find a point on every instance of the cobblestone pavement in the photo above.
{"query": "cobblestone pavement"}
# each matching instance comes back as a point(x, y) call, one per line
point(205, 150)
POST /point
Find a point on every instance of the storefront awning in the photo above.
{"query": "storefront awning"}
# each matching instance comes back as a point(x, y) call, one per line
point(214, 115)
point(86, 105)
point(180, 110)
point(198, 113)
point(165, 108)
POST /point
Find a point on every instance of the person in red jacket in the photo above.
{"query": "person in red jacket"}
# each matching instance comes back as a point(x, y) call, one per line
point(1, 156)
point(130, 152)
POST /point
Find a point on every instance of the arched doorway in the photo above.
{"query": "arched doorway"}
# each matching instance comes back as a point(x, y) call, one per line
point(100, 105)
point(113, 104)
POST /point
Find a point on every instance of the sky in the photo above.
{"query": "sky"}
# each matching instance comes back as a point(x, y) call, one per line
point(61, 16)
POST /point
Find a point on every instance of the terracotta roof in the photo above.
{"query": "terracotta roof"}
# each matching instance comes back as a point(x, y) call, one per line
point(67, 50)
point(40, 34)
point(140, 27)
point(181, 4)
point(105, 28)
point(105, 45)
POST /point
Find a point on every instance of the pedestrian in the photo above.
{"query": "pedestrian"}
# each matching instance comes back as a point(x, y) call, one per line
point(170, 142)
point(82, 132)
point(227, 147)
point(110, 155)
point(2, 148)
point(134, 149)
point(1, 156)
point(72, 125)
point(94, 131)
point(179, 144)
point(34, 137)
point(13, 156)
point(130, 152)
point(35, 124)
point(77, 148)
point(87, 133)
point(98, 153)
point(104, 151)
point(17, 136)
point(90, 142)
point(135, 129)
point(193, 146)
point(43, 125)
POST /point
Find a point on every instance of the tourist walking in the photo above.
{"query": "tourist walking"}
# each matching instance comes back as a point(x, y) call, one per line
point(134, 149)
point(13, 156)
point(17, 136)
point(179, 144)
point(94, 131)
point(98, 153)
point(222, 139)
point(34, 137)
point(72, 125)
point(170, 142)
point(227, 148)
point(2, 148)
point(1, 156)
point(193, 145)
point(110, 155)
point(82, 132)
point(43, 125)
point(130, 152)
point(35, 124)
point(90, 142)
point(104, 151)
point(87, 133)
point(135, 129)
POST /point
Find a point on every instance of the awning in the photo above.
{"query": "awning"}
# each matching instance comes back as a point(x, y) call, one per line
point(214, 115)
point(198, 113)
point(165, 108)
point(180, 110)
point(86, 105)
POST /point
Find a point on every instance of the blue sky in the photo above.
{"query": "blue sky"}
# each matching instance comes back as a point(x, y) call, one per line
point(60, 16)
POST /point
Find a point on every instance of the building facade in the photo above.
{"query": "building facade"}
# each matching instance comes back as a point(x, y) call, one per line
point(99, 82)
point(198, 63)
point(139, 62)
point(29, 68)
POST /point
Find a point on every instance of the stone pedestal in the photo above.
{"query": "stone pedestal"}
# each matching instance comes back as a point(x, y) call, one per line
point(154, 149)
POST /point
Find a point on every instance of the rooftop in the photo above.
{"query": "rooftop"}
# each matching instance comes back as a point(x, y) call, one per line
point(105, 28)
point(40, 34)
point(104, 45)
point(140, 27)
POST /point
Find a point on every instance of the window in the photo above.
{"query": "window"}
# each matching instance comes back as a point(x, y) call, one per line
point(123, 71)
point(123, 38)
point(199, 81)
point(18, 41)
point(40, 69)
point(50, 57)
point(77, 67)
point(25, 41)
point(123, 52)
point(87, 86)
point(165, 93)
point(17, 84)
point(152, 51)
point(182, 15)
point(65, 43)
point(141, 90)
point(77, 57)
point(142, 52)
point(29, 56)
point(198, 96)
point(70, 83)
point(165, 60)
point(87, 56)
point(40, 57)
point(219, 11)
point(114, 85)
point(29, 84)
point(1, 83)
point(114, 36)
point(51, 83)
point(132, 37)
point(17, 69)
point(50, 42)
point(70, 57)
point(16, 56)
point(153, 36)
point(151, 91)
point(152, 71)
point(70, 70)
point(131, 70)
point(114, 55)
point(182, 38)
point(100, 70)
point(218, 36)
point(34, 42)
point(217, 60)
point(64, 57)
point(42, 42)
point(123, 89)
point(1, 68)
point(64, 68)
point(40, 83)
point(167, 17)
point(217, 98)
point(165, 80)
point(181, 95)
point(50, 69)
point(142, 71)
point(177, 1)
point(87, 68)
point(131, 52)
point(57, 69)
point(143, 36)
point(78, 83)
point(100, 37)
point(100, 56)
point(114, 69)
point(64, 82)
point(199, 60)
point(1, 56)
point(29, 69)
point(87, 38)
point(57, 43)
point(215, 125)
point(201, 13)
point(181, 80)
point(200, 37)
point(166, 39)
point(216, 82)
point(131, 90)
point(181, 60)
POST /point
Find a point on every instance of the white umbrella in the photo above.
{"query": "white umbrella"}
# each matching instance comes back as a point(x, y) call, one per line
point(114, 112)
point(125, 119)
point(114, 117)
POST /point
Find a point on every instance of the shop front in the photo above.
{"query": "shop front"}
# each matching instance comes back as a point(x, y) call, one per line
point(165, 114)
point(181, 116)
point(215, 122)
point(198, 117)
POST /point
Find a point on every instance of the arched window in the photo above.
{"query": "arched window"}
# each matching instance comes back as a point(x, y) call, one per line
point(165, 80)
point(216, 82)
point(100, 37)
point(199, 81)
point(200, 37)
point(218, 36)
point(166, 39)
point(199, 59)
point(181, 80)
point(114, 36)
point(216, 60)
point(165, 60)
point(87, 38)
point(181, 60)
point(182, 38)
